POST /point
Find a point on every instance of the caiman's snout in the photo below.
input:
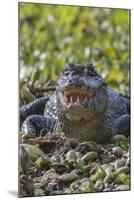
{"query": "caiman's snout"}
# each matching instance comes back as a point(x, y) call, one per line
point(74, 81)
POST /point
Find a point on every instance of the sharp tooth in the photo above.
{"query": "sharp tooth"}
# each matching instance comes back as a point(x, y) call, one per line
point(86, 99)
point(65, 96)
point(78, 99)
point(65, 99)
point(68, 100)
point(71, 99)
point(65, 93)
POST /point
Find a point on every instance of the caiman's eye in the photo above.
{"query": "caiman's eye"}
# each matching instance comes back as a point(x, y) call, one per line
point(67, 73)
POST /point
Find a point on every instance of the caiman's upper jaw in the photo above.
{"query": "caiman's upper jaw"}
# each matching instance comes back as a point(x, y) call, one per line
point(77, 96)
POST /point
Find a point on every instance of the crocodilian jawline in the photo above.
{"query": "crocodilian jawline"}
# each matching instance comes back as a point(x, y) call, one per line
point(76, 96)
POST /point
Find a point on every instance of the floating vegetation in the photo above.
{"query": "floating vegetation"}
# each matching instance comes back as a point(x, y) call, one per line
point(67, 169)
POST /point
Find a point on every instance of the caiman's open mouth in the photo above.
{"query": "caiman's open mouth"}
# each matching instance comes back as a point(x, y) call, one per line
point(77, 95)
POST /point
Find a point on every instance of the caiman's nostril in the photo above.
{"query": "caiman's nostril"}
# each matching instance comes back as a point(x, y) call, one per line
point(74, 81)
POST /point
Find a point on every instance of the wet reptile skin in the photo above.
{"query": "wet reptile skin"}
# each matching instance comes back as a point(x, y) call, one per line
point(83, 106)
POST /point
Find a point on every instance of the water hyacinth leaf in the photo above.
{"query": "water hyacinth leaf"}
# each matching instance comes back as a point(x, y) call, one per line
point(43, 162)
point(59, 167)
point(120, 163)
point(49, 174)
point(24, 160)
point(71, 155)
point(124, 169)
point(33, 151)
point(99, 174)
point(110, 178)
point(26, 95)
point(107, 27)
point(87, 186)
point(89, 156)
point(122, 177)
point(99, 186)
point(35, 75)
point(118, 138)
point(117, 151)
point(67, 178)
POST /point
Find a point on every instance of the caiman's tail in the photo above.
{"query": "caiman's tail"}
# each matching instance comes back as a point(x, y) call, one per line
point(35, 107)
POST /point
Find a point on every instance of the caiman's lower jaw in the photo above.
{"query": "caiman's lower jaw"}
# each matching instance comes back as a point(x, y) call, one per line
point(77, 96)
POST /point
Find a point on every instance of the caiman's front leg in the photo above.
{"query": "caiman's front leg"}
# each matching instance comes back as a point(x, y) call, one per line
point(122, 125)
point(34, 124)
point(34, 108)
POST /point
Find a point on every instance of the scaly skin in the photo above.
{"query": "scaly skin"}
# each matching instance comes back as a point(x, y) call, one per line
point(83, 106)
